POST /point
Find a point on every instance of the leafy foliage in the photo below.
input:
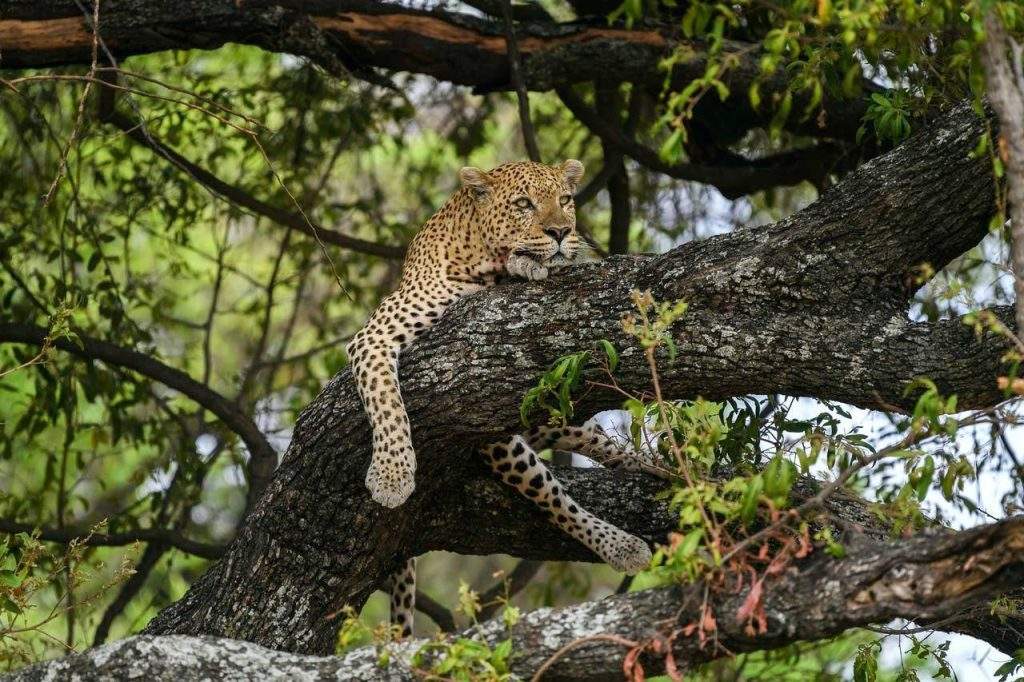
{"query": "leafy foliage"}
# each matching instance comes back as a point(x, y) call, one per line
point(462, 658)
point(553, 393)
point(27, 571)
point(927, 53)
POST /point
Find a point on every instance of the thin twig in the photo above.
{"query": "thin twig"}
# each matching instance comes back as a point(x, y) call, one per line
point(62, 167)
point(255, 123)
point(931, 627)
point(90, 80)
point(211, 312)
point(913, 437)
point(94, 349)
point(523, 97)
point(614, 639)
point(150, 557)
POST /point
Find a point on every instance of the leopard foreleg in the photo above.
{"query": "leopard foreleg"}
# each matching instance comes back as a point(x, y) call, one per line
point(373, 353)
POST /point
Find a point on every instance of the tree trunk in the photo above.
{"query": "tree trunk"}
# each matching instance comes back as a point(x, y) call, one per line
point(1004, 74)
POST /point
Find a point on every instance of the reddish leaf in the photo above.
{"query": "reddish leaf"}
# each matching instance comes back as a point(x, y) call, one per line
point(631, 665)
point(762, 621)
point(751, 603)
point(709, 623)
point(670, 667)
point(778, 564)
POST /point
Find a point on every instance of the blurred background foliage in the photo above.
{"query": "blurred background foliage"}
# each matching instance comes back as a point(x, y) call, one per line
point(102, 237)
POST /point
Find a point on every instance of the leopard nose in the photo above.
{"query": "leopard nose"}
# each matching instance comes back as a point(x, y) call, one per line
point(556, 233)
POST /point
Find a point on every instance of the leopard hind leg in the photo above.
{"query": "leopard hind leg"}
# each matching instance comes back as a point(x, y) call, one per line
point(518, 466)
point(402, 587)
point(589, 440)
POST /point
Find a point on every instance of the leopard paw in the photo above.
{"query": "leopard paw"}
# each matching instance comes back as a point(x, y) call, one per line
point(538, 273)
point(525, 267)
point(390, 485)
point(627, 553)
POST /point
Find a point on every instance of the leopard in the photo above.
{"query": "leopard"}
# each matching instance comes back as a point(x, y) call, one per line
point(517, 220)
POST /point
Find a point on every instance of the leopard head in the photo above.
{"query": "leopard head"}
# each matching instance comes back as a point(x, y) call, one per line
point(527, 209)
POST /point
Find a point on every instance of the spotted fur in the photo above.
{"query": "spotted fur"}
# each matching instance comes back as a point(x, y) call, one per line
point(590, 441)
point(402, 587)
point(518, 465)
point(517, 219)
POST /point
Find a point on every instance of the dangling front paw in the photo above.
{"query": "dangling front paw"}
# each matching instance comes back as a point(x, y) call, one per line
point(390, 483)
point(627, 553)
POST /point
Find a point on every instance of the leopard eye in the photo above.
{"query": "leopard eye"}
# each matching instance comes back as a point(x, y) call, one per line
point(565, 199)
point(523, 202)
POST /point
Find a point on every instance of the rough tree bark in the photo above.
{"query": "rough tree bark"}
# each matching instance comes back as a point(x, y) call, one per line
point(929, 577)
point(813, 305)
point(358, 35)
point(452, 47)
point(1004, 74)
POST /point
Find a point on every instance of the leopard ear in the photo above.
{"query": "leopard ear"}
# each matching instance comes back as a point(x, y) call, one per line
point(477, 181)
point(573, 171)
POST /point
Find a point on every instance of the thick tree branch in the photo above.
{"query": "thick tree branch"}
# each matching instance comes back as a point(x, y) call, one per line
point(436, 611)
point(360, 35)
point(813, 305)
point(925, 579)
point(733, 179)
point(262, 454)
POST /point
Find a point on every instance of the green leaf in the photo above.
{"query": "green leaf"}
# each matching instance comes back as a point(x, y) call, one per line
point(948, 480)
point(865, 666)
point(748, 507)
point(529, 402)
point(924, 476)
point(673, 146)
point(690, 543)
point(502, 651)
point(779, 476)
point(6, 604)
point(611, 353)
point(9, 578)
point(671, 345)
point(754, 93)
